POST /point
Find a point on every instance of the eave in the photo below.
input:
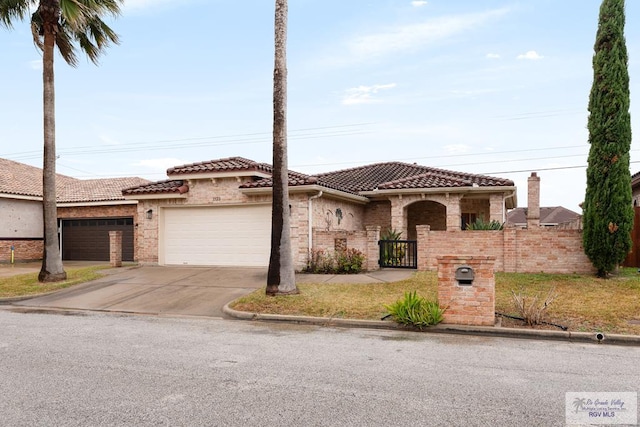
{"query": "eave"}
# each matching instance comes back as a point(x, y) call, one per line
point(156, 196)
point(103, 203)
point(225, 174)
point(20, 197)
point(445, 190)
point(310, 189)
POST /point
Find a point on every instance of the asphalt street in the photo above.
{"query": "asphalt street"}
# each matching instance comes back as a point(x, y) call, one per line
point(112, 370)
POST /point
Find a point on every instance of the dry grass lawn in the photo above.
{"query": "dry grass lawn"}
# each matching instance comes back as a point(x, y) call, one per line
point(27, 284)
point(583, 303)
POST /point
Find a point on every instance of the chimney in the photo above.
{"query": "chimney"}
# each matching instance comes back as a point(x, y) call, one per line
point(533, 200)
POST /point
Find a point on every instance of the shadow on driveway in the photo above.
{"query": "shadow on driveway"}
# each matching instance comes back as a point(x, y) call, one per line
point(187, 291)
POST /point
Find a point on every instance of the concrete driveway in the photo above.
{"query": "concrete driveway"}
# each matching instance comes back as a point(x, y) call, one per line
point(180, 291)
point(189, 291)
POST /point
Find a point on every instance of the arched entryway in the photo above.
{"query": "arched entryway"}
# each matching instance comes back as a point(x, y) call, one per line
point(426, 212)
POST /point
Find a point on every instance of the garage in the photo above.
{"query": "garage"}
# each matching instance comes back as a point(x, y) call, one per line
point(88, 239)
point(218, 236)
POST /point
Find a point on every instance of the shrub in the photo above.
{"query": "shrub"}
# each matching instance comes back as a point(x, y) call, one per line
point(390, 234)
point(528, 307)
point(415, 311)
point(349, 261)
point(481, 224)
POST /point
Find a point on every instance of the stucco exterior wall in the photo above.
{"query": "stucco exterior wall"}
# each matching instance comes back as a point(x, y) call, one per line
point(20, 219)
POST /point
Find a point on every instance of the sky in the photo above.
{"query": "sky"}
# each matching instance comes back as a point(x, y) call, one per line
point(496, 87)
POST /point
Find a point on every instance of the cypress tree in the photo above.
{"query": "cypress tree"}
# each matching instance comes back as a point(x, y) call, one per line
point(608, 211)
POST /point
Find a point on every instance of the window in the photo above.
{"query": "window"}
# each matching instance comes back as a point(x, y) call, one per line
point(467, 218)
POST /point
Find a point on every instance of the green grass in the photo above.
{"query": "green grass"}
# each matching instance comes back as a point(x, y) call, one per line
point(584, 303)
point(27, 284)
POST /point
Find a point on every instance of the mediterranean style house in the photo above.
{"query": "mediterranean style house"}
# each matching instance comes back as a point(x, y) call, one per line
point(218, 212)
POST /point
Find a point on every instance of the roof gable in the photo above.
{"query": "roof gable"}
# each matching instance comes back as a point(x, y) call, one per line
point(230, 164)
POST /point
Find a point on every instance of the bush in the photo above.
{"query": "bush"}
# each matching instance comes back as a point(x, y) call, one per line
point(481, 224)
point(414, 310)
point(349, 261)
point(528, 307)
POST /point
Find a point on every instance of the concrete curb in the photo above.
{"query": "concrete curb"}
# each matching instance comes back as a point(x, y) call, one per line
point(576, 337)
point(106, 272)
point(11, 300)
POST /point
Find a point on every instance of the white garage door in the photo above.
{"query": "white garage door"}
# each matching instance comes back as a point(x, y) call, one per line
point(225, 235)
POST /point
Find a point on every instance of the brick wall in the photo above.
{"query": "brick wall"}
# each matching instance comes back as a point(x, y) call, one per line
point(116, 211)
point(378, 214)
point(326, 240)
point(25, 250)
point(427, 212)
point(480, 207)
point(515, 250)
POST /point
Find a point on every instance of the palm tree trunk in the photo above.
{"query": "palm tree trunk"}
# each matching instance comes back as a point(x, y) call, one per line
point(52, 269)
point(281, 275)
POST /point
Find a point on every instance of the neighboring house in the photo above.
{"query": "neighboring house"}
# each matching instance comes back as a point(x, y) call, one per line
point(87, 211)
point(219, 212)
point(549, 216)
point(633, 259)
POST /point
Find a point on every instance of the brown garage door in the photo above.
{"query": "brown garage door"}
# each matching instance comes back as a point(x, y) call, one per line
point(88, 239)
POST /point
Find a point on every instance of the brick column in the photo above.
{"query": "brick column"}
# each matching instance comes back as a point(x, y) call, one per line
point(422, 233)
point(496, 208)
point(472, 304)
point(373, 250)
point(398, 216)
point(454, 215)
point(533, 201)
point(115, 248)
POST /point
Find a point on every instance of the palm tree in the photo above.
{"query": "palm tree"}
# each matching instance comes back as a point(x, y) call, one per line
point(62, 24)
point(281, 275)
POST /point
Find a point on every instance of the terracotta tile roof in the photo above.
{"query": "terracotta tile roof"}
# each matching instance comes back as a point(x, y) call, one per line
point(161, 187)
point(24, 180)
point(96, 190)
point(390, 176)
point(295, 179)
point(397, 175)
point(231, 164)
point(548, 215)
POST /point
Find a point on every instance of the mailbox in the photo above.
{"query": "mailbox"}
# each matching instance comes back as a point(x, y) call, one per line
point(465, 275)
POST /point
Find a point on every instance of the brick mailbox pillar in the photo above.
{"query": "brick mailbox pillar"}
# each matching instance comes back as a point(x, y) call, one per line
point(466, 286)
point(115, 248)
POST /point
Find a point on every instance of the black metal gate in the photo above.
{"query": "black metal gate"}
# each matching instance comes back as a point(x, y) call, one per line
point(398, 253)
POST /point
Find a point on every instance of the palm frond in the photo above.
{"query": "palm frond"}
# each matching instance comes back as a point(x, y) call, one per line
point(64, 42)
point(14, 10)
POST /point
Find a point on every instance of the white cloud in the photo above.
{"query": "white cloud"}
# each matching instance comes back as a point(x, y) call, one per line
point(164, 163)
point(364, 94)
point(418, 3)
point(415, 36)
point(531, 55)
point(36, 64)
point(493, 55)
point(456, 148)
